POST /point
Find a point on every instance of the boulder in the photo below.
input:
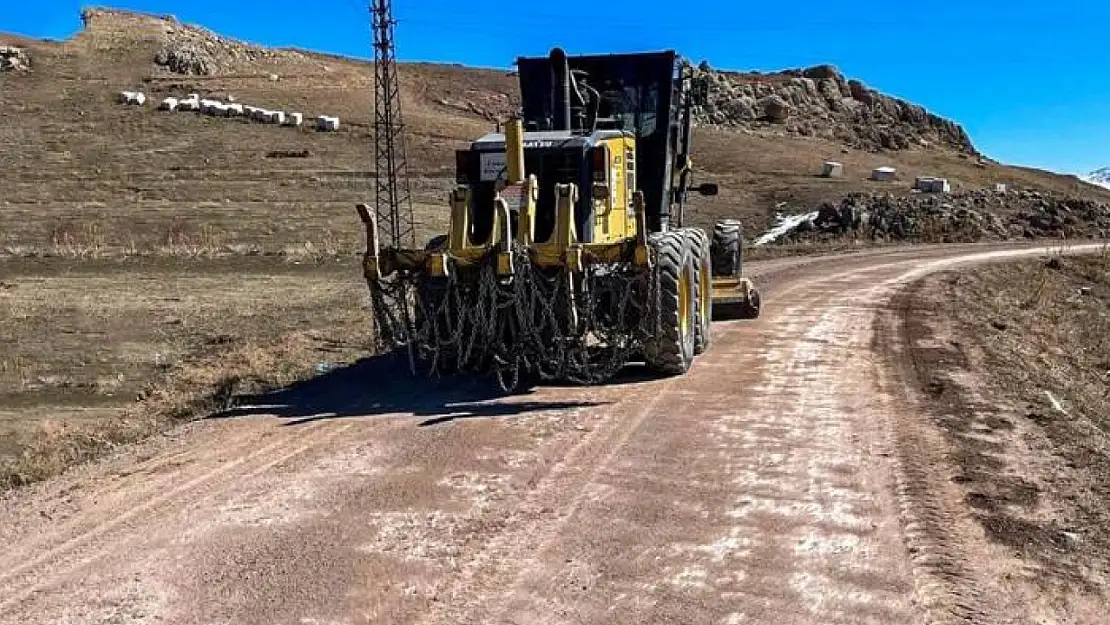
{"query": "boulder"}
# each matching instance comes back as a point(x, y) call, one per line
point(775, 109)
point(861, 93)
point(13, 59)
point(822, 72)
point(829, 90)
point(828, 216)
point(740, 109)
point(185, 58)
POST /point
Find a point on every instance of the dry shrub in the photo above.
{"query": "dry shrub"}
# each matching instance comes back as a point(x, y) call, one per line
point(184, 237)
point(327, 247)
point(77, 240)
point(58, 445)
point(210, 382)
point(206, 383)
point(19, 369)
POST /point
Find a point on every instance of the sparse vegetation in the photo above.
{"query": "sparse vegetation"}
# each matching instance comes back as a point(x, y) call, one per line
point(131, 238)
point(103, 352)
point(1016, 359)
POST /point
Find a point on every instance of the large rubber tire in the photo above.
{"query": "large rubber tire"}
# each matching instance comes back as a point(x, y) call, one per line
point(703, 328)
point(727, 249)
point(671, 350)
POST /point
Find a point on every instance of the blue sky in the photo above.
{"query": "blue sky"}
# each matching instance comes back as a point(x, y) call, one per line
point(1029, 80)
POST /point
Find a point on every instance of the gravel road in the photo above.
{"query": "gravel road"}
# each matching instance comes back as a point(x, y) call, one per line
point(788, 478)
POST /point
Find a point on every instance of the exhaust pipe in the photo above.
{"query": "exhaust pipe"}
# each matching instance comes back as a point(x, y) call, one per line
point(560, 83)
point(514, 150)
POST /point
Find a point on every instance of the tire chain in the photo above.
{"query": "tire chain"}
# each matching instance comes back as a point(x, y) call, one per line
point(478, 321)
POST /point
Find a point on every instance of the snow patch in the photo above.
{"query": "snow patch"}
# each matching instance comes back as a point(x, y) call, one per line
point(1100, 177)
point(783, 225)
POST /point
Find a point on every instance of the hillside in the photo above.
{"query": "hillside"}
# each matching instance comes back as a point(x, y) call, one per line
point(1100, 177)
point(83, 172)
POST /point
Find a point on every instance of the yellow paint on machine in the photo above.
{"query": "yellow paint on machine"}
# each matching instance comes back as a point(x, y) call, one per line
point(614, 216)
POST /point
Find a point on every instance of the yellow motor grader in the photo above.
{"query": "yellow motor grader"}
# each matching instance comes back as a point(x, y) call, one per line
point(566, 256)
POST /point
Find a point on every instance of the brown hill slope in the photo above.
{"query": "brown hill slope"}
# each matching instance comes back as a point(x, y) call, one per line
point(80, 171)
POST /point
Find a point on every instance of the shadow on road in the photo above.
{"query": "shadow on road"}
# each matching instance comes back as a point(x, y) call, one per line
point(383, 385)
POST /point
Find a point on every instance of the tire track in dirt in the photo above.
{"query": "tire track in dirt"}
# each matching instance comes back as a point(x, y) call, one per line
point(562, 489)
point(73, 555)
point(833, 439)
point(938, 537)
point(775, 481)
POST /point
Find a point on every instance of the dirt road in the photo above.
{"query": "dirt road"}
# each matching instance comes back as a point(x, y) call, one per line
point(788, 478)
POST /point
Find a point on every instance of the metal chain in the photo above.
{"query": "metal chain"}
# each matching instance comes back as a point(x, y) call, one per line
point(542, 323)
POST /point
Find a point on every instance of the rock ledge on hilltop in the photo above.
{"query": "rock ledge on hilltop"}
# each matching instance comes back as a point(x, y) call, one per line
point(821, 102)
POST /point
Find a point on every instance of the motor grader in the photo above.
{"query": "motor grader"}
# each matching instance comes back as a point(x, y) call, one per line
point(566, 255)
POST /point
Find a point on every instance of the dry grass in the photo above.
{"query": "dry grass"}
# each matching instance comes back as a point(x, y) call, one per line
point(102, 352)
point(1017, 359)
point(188, 184)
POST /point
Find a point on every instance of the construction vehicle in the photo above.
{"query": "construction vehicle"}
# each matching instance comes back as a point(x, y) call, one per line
point(567, 255)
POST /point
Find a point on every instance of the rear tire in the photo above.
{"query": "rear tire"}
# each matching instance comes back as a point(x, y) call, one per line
point(727, 250)
point(703, 328)
point(671, 351)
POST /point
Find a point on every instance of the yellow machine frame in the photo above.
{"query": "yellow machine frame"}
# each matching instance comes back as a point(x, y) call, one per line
point(619, 214)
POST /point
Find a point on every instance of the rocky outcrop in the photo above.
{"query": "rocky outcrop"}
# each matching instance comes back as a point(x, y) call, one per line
point(821, 102)
point(184, 58)
point(962, 217)
point(183, 48)
point(13, 59)
point(195, 51)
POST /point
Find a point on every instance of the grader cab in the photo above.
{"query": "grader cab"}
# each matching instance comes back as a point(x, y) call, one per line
point(567, 256)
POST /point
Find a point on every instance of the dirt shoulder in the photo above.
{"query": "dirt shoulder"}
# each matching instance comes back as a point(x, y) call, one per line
point(99, 353)
point(1014, 360)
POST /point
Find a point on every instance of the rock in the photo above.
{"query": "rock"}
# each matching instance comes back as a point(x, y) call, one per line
point(775, 108)
point(184, 58)
point(829, 90)
point(827, 216)
point(13, 59)
point(822, 72)
point(821, 102)
point(740, 109)
point(861, 93)
point(964, 216)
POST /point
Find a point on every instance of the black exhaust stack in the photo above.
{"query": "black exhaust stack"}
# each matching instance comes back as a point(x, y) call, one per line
point(560, 83)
